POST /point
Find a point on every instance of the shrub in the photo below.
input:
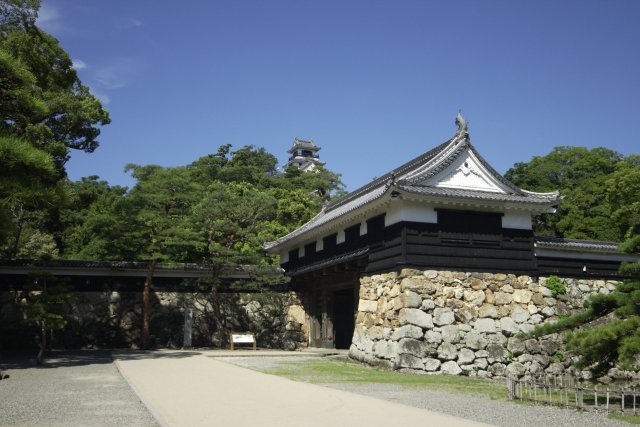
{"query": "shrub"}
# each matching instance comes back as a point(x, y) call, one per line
point(556, 286)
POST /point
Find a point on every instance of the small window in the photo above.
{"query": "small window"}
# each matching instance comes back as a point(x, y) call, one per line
point(310, 250)
point(469, 222)
point(352, 234)
point(375, 228)
point(330, 242)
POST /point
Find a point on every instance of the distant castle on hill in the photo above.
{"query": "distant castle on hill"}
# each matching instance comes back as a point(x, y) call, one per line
point(304, 155)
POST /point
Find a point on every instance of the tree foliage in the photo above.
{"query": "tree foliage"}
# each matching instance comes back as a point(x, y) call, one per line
point(606, 333)
point(45, 111)
point(601, 190)
point(43, 305)
point(592, 183)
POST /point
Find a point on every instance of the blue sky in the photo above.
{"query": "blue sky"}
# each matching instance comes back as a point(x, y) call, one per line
point(374, 83)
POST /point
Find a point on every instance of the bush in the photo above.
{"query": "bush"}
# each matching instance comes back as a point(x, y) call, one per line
point(556, 286)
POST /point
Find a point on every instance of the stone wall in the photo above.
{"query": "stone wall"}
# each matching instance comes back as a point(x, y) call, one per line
point(463, 323)
point(113, 319)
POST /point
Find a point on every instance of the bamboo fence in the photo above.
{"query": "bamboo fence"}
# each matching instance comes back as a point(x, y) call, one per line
point(567, 391)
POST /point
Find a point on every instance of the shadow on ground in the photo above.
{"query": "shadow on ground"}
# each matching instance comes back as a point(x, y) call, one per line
point(55, 359)
point(153, 354)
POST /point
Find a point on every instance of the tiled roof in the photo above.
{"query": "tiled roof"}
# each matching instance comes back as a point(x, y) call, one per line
point(303, 144)
point(539, 198)
point(575, 244)
point(326, 216)
point(349, 256)
point(410, 177)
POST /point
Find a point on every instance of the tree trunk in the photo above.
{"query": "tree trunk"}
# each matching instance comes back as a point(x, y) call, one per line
point(146, 309)
point(42, 344)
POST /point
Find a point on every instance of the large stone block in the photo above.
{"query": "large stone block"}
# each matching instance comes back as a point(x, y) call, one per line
point(516, 368)
point(519, 314)
point(497, 369)
point(488, 310)
point(428, 304)
point(475, 341)
point(477, 284)
point(549, 311)
point(536, 319)
point(522, 296)
point(475, 298)
point(386, 349)
point(296, 314)
point(433, 337)
point(450, 333)
point(485, 325)
point(367, 306)
point(409, 272)
point(407, 331)
point(516, 346)
point(497, 353)
point(367, 292)
point(549, 346)
point(418, 284)
point(502, 298)
point(443, 316)
point(415, 347)
point(416, 317)
point(409, 361)
point(394, 291)
point(508, 326)
point(481, 363)
point(431, 274)
point(356, 353)
point(466, 356)
point(447, 351)
point(555, 368)
point(376, 332)
point(431, 364)
point(410, 299)
point(450, 368)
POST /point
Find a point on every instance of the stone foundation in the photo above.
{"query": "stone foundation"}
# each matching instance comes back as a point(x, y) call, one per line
point(113, 319)
point(463, 323)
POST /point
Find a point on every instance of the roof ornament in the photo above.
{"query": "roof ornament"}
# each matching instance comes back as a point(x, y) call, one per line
point(461, 123)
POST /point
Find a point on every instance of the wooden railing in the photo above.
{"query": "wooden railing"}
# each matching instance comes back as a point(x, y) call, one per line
point(567, 391)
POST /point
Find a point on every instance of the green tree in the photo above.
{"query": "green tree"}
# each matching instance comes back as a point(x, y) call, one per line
point(581, 176)
point(43, 305)
point(606, 333)
point(45, 111)
point(623, 196)
point(28, 185)
point(95, 222)
point(72, 115)
point(159, 205)
point(235, 219)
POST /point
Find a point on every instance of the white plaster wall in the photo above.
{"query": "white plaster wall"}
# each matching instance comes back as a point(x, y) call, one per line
point(408, 210)
point(519, 220)
point(341, 237)
point(363, 228)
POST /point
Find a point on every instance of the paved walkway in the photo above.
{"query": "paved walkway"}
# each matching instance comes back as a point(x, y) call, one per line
point(71, 389)
point(196, 388)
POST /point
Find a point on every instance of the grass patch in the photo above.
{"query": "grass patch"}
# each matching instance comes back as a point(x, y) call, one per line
point(631, 419)
point(340, 370)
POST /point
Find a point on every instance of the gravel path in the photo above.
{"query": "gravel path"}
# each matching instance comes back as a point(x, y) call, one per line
point(499, 413)
point(71, 389)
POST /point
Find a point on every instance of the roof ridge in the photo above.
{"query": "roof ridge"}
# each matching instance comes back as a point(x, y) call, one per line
point(402, 169)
